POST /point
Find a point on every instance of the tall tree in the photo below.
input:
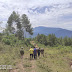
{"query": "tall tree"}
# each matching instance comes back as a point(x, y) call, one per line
point(19, 25)
point(12, 20)
point(26, 24)
point(19, 29)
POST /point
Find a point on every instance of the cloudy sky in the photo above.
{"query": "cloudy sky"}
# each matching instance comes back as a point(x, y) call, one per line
point(48, 13)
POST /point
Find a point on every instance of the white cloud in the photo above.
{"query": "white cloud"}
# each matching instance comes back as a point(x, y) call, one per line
point(50, 18)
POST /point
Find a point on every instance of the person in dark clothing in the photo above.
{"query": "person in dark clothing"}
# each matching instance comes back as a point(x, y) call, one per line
point(38, 52)
point(35, 53)
point(42, 52)
point(21, 52)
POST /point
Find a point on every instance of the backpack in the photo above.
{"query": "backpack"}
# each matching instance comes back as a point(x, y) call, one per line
point(21, 52)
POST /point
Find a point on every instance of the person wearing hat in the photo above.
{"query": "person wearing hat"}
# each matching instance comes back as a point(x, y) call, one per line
point(21, 52)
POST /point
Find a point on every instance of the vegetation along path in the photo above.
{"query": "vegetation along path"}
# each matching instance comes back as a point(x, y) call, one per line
point(56, 59)
point(25, 64)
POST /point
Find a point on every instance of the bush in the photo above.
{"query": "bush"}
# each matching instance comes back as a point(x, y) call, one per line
point(9, 40)
point(6, 41)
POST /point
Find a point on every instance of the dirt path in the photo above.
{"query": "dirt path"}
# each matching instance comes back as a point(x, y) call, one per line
point(33, 62)
point(19, 66)
point(33, 43)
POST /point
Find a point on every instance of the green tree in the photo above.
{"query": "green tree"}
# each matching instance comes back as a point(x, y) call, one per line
point(19, 31)
point(60, 41)
point(18, 25)
point(42, 39)
point(67, 41)
point(12, 20)
point(38, 37)
point(26, 24)
point(52, 40)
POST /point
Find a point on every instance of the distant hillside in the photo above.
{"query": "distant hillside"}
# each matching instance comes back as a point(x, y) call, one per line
point(49, 30)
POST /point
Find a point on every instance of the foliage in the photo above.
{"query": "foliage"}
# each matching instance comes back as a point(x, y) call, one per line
point(9, 40)
point(14, 41)
point(18, 25)
point(26, 24)
point(42, 39)
point(1, 36)
point(52, 40)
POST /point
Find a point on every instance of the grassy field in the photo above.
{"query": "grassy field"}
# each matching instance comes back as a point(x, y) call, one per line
point(56, 59)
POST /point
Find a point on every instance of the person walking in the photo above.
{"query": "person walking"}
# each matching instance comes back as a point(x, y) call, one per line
point(31, 53)
point(42, 51)
point(21, 52)
point(35, 53)
point(39, 52)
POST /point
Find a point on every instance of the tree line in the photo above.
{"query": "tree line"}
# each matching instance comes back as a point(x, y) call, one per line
point(52, 40)
point(19, 25)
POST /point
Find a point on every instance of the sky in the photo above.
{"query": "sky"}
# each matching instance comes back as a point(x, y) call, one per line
point(48, 13)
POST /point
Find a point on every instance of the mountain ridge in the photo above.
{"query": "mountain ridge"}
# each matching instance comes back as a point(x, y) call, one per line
point(59, 32)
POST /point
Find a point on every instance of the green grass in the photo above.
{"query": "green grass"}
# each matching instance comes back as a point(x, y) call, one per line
point(56, 59)
point(10, 55)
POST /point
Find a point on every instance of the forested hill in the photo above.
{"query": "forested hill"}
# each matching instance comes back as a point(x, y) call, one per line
point(49, 30)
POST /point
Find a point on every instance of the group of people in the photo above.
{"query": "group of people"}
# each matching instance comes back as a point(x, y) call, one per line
point(34, 52)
